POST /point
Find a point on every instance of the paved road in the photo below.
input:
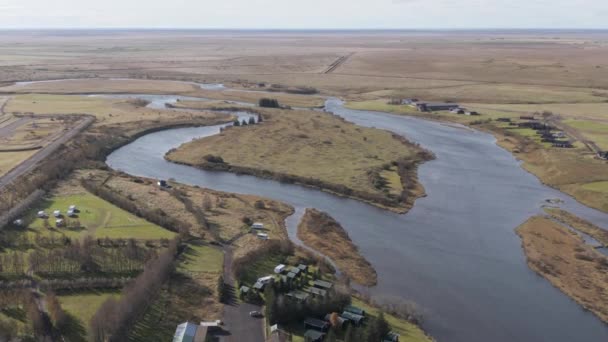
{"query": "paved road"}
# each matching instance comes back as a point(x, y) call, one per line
point(239, 326)
point(44, 152)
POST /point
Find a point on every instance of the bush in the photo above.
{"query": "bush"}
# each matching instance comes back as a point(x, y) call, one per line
point(268, 103)
point(213, 159)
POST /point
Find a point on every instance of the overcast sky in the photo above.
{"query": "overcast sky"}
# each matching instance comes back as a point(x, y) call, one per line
point(294, 14)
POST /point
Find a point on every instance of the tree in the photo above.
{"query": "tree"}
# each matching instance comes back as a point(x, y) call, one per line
point(244, 123)
point(331, 336)
point(56, 313)
point(260, 118)
point(252, 120)
point(271, 305)
point(236, 123)
point(349, 335)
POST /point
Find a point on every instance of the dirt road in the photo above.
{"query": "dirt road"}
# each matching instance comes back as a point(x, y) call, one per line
point(44, 152)
point(239, 326)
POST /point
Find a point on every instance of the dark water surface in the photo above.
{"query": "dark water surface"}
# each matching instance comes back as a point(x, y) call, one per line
point(455, 253)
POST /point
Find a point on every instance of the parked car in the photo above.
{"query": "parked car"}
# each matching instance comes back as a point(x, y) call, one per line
point(256, 314)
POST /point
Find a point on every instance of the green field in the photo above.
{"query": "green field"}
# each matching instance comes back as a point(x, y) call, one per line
point(597, 186)
point(201, 258)
point(80, 308)
point(97, 218)
point(594, 131)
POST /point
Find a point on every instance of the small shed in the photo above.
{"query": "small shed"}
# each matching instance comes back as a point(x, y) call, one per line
point(266, 279)
point(295, 270)
point(18, 222)
point(291, 276)
point(57, 213)
point(313, 336)
point(322, 284)
point(279, 269)
point(315, 291)
point(257, 225)
point(262, 236)
point(73, 208)
point(190, 332)
point(259, 286)
point(59, 223)
point(42, 214)
point(71, 213)
point(298, 295)
point(303, 268)
point(244, 289)
point(316, 324)
point(162, 183)
point(391, 337)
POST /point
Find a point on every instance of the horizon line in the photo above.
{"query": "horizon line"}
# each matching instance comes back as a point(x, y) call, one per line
point(304, 29)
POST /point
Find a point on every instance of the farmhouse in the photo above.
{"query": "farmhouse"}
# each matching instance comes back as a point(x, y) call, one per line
point(433, 107)
point(190, 332)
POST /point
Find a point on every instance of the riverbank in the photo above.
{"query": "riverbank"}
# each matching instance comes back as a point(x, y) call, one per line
point(321, 232)
point(563, 258)
point(315, 149)
point(575, 171)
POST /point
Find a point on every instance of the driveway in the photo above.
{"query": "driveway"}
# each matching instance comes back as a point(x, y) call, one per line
point(239, 326)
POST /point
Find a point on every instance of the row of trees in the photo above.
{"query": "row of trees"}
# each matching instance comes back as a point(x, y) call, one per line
point(269, 103)
point(115, 317)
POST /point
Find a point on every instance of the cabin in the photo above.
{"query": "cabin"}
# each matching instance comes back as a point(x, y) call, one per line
point(322, 284)
point(73, 208)
point(303, 268)
point(434, 107)
point(71, 213)
point(59, 223)
point(42, 214)
point(279, 269)
point(18, 223)
point(316, 324)
point(313, 336)
point(57, 213)
point(356, 319)
point(257, 225)
point(244, 290)
point(354, 309)
point(190, 332)
point(162, 183)
point(316, 292)
point(503, 120)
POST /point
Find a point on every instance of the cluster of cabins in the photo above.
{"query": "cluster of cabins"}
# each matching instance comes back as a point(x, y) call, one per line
point(258, 228)
point(437, 106)
point(548, 133)
point(285, 273)
point(316, 329)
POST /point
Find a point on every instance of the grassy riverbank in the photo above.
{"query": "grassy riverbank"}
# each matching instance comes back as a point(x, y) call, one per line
point(563, 258)
point(321, 232)
point(315, 149)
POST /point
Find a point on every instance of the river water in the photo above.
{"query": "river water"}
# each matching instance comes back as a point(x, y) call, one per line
point(455, 253)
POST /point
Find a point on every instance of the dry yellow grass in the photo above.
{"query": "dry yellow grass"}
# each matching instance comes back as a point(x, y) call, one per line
point(579, 224)
point(321, 232)
point(309, 145)
point(9, 160)
point(567, 262)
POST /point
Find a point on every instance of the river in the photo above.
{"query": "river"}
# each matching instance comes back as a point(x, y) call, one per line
point(455, 253)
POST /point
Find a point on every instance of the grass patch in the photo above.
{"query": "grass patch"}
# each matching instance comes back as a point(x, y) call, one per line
point(80, 308)
point(408, 332)
point(596, 186)
point(97, 217)
point(393, 180)
point(201, 258)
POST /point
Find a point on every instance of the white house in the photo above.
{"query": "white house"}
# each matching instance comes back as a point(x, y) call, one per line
point(257, 225)
point(279, 269)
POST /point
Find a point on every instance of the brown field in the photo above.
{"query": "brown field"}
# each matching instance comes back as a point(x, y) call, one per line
point(562, 257)
point(321, 232)
point(582, 225)
point(310, 145)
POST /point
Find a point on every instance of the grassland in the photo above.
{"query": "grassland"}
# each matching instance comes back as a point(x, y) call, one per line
point(581, 225)
point(97, 218)
point(563, 258)
point(311, 148)
point(321, 232)
point(10, 160)
point(80, 308)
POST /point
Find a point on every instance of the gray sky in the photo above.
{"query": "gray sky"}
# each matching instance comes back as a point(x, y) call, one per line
point(304, 13)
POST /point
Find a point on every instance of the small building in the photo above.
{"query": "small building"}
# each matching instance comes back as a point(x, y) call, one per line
point(322, 284)
point(341, 320)
point(291, 276)
point(262, 236)
point(391, 337)
point(57, 213)
point(295, 270)
point(244, 289)
point(266, 280)
point(73, 208)
point(354, 309)
point(162, 183)
point(279, 269)
point(190, 332)
point(559, 134)
point(71, 213)
point(316, 292)
point(257, 225)
point(457, 111)
point(316, 324)
point(42, 214)
point(259, 286)
point(303, 268)
point(59, 223)
point(278, 335)
point(562, 144)
point(472, 112)
point(434, 107)
point(313, 336)
point(356, 319)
